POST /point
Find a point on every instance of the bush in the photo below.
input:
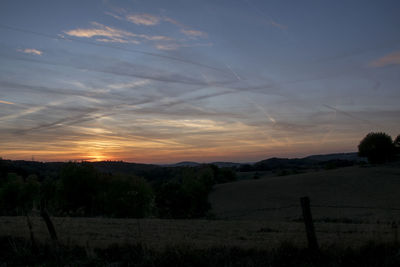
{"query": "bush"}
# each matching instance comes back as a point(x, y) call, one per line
point(377, 147)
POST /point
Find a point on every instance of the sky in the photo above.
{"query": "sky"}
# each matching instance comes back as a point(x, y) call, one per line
point(195, 80)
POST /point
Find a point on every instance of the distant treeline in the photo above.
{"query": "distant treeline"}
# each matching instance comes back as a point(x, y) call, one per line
point(112, 189)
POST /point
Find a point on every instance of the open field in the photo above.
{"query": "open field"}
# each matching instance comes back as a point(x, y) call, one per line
point(374, 190)
point(156, 233)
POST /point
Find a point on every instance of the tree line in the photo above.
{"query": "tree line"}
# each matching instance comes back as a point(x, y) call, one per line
point(79, 189)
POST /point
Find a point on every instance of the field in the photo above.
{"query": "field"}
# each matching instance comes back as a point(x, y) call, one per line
point(359, 194)
point(158, 234)
point(351, 206)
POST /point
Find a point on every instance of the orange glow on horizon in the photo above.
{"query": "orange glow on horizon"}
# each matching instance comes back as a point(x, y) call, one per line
point(93, 157)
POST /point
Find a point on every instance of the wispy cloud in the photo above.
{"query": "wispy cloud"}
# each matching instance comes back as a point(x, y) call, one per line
point(6, 102)
point(277, 25)
point(389, 59)
point(146, 19)
point(30, 51)
point(193, 33)
point(174, 46)
point(185, 29)
point(143, 19)
point(105, 33)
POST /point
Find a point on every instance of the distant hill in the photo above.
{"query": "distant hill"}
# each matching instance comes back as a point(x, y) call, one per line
point(314, 161)
point(283, 163)
point(220, 164)
point(155, 172)
point(183, 164)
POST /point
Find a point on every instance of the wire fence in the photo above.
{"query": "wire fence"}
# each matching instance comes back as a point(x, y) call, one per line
point(243, 213)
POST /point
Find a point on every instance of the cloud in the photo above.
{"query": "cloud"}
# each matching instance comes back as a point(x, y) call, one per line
point(6, 102)
point(116, 40)
point(31, 51)
point(152, 20)
point(277, 25)
point(167, 47)
point(143, 19)
point(109, 34)
point(175, 46)
point(193, 33)
point(389, 59)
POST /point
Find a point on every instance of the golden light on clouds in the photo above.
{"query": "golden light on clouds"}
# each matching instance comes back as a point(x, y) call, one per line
point(6, 102)
point(31, 51)
point(168, 141)
point(96, 157)
point(389, 59)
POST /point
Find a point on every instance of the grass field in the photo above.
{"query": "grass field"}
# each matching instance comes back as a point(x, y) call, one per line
point(375, 189)
point(158, 234)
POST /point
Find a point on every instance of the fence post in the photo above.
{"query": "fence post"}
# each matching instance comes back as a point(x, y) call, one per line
point(49, 224)
point(311, 237)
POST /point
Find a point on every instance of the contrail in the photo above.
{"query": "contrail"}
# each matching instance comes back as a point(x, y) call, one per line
point(234, 73)
point(350, 115)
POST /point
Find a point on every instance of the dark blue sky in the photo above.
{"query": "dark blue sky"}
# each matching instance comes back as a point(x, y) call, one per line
point(164, 81)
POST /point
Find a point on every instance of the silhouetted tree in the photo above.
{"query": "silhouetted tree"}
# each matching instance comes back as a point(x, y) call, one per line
point(127, 196)
point(396, 143)
point(377, 147)
point(77, 188)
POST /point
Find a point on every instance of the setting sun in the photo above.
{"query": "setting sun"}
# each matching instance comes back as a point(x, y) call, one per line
point(95, 157)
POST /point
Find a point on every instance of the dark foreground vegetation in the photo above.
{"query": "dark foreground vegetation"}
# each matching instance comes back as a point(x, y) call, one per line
point(83, 189)
point(19, 252)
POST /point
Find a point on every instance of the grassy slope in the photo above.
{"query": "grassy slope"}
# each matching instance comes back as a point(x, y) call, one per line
point(356, 186)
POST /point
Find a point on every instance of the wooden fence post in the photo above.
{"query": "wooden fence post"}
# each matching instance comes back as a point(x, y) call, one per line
point(311, 237)
point(49, 224)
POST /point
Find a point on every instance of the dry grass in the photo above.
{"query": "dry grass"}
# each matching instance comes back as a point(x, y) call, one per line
point(155, 233)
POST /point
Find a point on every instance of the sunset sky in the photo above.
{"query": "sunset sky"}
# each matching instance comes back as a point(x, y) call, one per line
point(213, 80)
